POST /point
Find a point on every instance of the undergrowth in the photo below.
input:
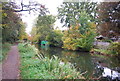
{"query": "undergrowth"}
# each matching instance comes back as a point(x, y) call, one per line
point(35, 66)
point(113, 49)
point(5, 49)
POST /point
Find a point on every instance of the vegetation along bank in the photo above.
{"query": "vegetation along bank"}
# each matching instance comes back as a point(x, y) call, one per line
point(35, 66)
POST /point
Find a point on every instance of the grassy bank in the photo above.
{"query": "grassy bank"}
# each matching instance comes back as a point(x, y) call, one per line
point(5, 49)
point(112, 50)
point(34, 66)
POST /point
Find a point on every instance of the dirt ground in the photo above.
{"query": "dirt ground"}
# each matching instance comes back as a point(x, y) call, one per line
point(10, 66)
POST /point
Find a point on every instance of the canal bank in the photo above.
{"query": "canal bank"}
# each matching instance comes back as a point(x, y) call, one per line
point(35, 65)
point(92, 66)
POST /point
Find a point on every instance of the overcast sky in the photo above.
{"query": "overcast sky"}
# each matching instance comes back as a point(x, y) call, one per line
point(29, 19)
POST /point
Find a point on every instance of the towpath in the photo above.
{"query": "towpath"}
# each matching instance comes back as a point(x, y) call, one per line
point(10, 66)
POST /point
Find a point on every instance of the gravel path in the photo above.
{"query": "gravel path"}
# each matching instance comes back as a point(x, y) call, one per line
point(10, 66)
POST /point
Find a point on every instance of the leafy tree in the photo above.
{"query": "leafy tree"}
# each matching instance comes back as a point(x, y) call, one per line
point(109, 15)
point(34, 35)
point(33, 32)
point(81, 19)
point(44, 26)
point(11, 24)
point(55, 38)
point(81, 36)
point(69, 13)
point(21, 33)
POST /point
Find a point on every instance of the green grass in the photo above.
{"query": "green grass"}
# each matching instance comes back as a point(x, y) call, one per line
point(104, 51)
point(33, 67)
point(5, 49)
point(112, 50)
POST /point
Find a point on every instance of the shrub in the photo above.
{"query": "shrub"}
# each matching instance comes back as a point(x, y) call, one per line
point(45, 68)
point(55, 38)
point(115, 48)
point(27, 50)
point(73, 39)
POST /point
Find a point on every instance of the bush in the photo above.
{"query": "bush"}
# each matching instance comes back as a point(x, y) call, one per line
point(55, 38)
point(73, 39)
point(80, 35)
point(45, 68)
point(115, 48)
point(27, 50)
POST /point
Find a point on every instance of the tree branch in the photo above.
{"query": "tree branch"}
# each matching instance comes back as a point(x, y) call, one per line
point(32, 6)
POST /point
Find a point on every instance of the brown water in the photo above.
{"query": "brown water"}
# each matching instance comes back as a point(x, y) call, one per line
point(93, 66)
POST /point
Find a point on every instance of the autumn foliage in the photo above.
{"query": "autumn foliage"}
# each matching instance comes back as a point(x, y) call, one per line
point(75, 40)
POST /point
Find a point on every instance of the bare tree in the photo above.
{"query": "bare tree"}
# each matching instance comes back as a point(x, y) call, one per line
point(30, 7)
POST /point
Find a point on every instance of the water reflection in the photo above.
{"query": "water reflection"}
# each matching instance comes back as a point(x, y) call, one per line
point(110, 74)
point(84, 62)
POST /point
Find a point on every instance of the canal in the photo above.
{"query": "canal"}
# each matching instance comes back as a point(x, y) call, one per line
point(91, 66)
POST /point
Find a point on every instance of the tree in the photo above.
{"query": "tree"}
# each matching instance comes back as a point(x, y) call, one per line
point(81, 20)
point(34, 35)
point(55, 38)
point(31, 7)
point(69, 13)
point(21, 33)
point(33, 32)
point(109, 15)
point(11, 24)
point(44, 26)
point(80, 37)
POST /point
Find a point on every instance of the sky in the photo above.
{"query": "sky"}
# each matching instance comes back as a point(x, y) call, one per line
point(29, 19)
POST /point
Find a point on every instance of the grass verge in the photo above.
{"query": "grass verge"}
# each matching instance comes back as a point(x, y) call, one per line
point(5, 49)
point(34, 66)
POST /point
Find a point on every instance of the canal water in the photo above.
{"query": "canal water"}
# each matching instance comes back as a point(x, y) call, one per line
point(91, 66)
